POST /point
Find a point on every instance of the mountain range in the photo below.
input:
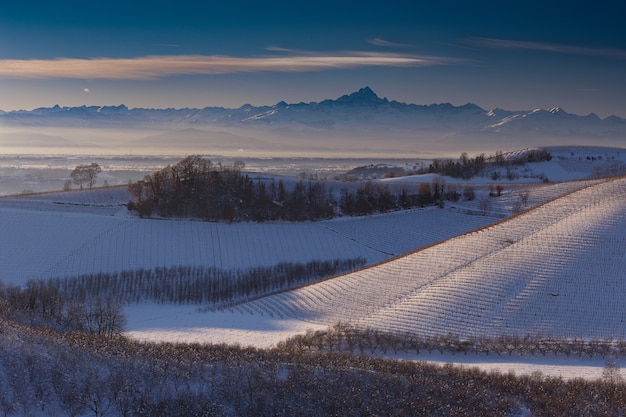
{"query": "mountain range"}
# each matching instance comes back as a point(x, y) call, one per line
point(361, 117)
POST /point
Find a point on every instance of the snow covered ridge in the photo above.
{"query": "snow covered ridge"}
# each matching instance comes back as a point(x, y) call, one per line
point(361, 109)
point(556, 270)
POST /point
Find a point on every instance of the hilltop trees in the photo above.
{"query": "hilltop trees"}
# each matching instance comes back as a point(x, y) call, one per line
point(371, 197)
point(86, 174)
point(196, 188)
point(466, 167)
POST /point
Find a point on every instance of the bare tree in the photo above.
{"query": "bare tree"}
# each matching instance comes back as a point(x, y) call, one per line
point(611, 373)
point(95, 392)
point(86, 174)
point(468, 193)
point(239, 165)
point(105, 318)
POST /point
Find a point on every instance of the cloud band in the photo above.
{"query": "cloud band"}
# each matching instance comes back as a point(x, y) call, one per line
point(549, 47)
point(154, 67)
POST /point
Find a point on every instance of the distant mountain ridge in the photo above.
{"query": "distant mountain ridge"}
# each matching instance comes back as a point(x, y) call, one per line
point(361, 115)
point(362, 105)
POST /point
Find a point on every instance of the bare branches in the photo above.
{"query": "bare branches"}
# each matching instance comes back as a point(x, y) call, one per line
point(86, 174)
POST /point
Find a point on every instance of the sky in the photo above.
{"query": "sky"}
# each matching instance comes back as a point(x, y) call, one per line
point(160, 54)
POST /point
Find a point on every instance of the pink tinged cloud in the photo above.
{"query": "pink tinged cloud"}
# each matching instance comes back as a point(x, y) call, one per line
point(154, 67)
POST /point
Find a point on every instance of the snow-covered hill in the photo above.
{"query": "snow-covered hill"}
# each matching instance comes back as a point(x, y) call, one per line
point(87, 232)
point(556, 270)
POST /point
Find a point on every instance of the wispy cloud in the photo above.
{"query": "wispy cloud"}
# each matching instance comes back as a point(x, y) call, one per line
point(154, 67)
point(275, 48)
point(389, 44)
point(549, 47)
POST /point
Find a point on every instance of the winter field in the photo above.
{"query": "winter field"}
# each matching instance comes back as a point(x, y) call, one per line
point(555, 269)
point(547, 271)
point(88, 232)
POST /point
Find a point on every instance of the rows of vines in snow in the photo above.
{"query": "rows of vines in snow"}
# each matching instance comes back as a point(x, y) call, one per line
point(479, 282)
point(197, 284)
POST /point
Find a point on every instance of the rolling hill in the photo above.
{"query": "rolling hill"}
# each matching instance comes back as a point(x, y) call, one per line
point(555, 270)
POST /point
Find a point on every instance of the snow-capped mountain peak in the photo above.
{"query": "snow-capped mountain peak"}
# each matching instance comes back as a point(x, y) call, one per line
point(555, 110)
point(364, 97)
point(356, 114)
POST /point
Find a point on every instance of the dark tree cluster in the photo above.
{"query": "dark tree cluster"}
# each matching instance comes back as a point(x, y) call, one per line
point(85, 174)
point(42, 304)
point(374, 197)
point(536, 155)
point(195, 188)
point(185, 284)
point(465, 167)
point(370, 198)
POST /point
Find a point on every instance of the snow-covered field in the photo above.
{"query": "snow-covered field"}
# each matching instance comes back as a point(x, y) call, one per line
point(48, 236)
point(556, 270)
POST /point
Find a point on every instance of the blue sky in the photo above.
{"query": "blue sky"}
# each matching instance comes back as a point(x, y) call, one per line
point(513, 55)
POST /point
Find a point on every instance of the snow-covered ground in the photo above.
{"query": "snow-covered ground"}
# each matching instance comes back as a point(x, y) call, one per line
point(184, 323)
point(43, 238)
point(553, 266)
point(555, 270)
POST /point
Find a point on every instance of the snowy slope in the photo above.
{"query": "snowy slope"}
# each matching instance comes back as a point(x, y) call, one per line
point(555, 270)
point(69, 234)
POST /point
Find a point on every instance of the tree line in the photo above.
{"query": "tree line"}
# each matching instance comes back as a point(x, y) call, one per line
point(195, 188)
point(199, 284)
point(466, 167)
point(345, 338)
point(41, 304)
point(79, 374)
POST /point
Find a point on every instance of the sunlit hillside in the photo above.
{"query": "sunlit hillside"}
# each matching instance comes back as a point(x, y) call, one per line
point(555, 270)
